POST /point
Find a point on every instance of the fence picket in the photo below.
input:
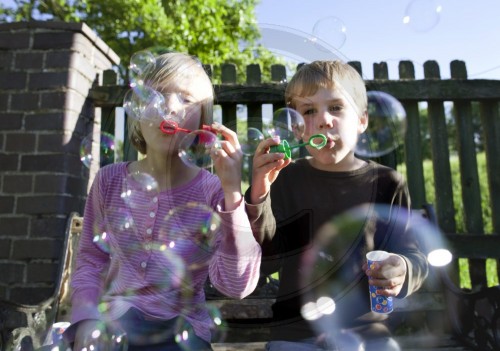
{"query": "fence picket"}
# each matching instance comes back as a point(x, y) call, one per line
point(471, 196)
point(413, 144)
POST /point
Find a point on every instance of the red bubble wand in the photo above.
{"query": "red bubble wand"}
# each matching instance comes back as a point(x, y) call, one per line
point(171, 127)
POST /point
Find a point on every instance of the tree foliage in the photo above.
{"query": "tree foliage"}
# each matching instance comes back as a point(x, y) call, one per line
point(213, 30)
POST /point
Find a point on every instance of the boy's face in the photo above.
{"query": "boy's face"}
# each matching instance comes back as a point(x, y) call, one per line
point(331, 112)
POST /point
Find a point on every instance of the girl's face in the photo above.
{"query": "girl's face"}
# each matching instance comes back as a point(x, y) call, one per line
point(331, 112)
point(183, 104)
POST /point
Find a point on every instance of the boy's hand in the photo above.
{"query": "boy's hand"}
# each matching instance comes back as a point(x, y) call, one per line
point(227, 159)
point(266, 167)
point(389, 275)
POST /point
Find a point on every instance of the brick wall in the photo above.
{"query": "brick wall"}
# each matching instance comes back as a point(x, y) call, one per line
point(46, 71)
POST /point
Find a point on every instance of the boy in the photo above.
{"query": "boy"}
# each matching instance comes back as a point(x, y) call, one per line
point(288, 202)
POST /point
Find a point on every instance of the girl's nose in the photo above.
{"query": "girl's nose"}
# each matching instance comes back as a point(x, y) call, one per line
point(173, 105)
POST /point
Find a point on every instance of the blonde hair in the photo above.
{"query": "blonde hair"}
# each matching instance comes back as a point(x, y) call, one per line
point(169, 68)
point(329, 75)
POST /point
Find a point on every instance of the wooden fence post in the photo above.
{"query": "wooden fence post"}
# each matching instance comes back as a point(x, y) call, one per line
point(471, 196)
point(228, 75)
point(380, 71)
point(413, 147)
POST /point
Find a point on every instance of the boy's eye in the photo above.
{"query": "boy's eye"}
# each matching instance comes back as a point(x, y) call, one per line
point(309, 112)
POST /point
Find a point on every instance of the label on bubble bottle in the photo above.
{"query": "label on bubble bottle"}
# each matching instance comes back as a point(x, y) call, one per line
point(378, 303)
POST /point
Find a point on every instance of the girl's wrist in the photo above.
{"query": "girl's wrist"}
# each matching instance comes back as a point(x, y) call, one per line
point(232, 200)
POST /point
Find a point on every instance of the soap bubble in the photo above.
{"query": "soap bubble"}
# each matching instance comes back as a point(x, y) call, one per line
point(251, 140)
point(331, 272)
point(101, 240)
point(195, 147)
point(141, 63)
point(190, 231)
point(144, 104)
point(422, 15)
point(332, 30)
point(104, 153)
point(106, 337)
point(288, 124)
point(386, 126)
point(139, 190)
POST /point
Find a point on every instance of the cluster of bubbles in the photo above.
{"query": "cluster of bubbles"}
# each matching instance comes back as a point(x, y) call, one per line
point(386, 128)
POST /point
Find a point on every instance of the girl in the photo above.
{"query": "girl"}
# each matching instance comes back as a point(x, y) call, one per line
point(140, 266)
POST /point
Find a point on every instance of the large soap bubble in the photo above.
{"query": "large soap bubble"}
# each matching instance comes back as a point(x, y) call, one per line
point(332, 277)
point(386, 126)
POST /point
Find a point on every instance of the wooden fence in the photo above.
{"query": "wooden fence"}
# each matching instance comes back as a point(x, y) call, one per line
point(474, 243)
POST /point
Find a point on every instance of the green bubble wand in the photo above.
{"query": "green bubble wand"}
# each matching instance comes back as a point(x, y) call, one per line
point(286, 148)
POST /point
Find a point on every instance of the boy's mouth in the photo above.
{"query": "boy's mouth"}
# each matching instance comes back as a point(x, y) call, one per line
point(332, 140)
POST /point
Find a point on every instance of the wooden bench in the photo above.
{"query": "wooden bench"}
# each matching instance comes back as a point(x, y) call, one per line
point(440, 316)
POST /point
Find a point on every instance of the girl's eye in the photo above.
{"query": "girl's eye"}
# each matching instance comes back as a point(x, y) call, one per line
point(335, 108)
point(309, 112)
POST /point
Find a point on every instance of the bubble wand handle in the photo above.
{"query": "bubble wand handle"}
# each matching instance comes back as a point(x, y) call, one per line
point(286, 148)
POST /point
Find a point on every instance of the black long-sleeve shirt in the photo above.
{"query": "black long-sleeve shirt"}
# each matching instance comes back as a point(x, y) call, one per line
point(315, 229)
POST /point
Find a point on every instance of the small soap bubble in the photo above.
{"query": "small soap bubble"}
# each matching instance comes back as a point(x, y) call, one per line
point(97, 147)
point(422, 15)
point(101, 240)
point(139, 190)
point(331, 30)
point(195, 147)
point(251, 140)
point(386, 126)
point(141, 63)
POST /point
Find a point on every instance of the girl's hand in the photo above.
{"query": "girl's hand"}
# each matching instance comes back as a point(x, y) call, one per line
point(227, 157)
point(389, 275)
point(266, 167)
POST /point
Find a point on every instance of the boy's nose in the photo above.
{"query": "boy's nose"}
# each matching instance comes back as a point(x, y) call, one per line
point(326, 121)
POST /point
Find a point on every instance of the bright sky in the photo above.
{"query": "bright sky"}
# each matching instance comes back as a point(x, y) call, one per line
point(374, 32)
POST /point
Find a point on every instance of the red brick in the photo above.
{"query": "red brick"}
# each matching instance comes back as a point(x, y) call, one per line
point(42, 272)
point(46, 204)
point(20, 142)
point(11, 121)
point(17, 184)
point(14, 226)
point(12, 272)
point(5, 245)
point(13, 80)
point(37, 249)
point(29, 60)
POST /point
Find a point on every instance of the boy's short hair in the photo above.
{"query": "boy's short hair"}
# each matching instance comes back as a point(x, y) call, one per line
point(168, 68)
point(329, 75)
